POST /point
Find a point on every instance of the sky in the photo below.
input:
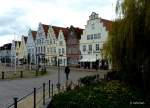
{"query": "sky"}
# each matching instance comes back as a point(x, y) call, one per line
point(18, 16)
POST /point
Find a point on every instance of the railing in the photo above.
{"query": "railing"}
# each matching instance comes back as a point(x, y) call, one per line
point(39, 96)
point(35, 98)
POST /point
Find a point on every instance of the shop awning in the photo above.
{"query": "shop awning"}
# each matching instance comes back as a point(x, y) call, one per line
point(88, 60)
point(83, 60)
point(91, 59)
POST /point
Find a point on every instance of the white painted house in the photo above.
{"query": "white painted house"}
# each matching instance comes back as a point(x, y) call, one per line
point(56, 46)
point(51, 53)
point(15, 52)
point(94, 36)
point(41, 44)
point(22, 55)
point(61, 46)
point(31, 46)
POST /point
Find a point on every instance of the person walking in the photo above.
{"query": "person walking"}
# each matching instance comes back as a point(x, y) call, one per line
point(67, 71)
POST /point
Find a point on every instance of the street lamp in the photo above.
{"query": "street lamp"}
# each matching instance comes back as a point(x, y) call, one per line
point(58, 84)
point(5, 57)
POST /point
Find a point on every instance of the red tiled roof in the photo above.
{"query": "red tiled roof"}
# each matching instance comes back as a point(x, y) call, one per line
point(45, 27)
point(6, 46)
point(34, 34)
point(64, 30)
point(107, 24)
point(25, 39)
point(17, 42)
point(79, 32)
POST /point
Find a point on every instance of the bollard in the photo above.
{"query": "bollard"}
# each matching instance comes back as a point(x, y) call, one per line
point(3, 75)
point(49, 88)
point(34, 98)
point(15, 102)
point(21, 74)
point(52, 90)
point(43, 93)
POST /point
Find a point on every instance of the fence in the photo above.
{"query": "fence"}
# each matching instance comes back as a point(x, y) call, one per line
point(38, 97)
point(35, 98)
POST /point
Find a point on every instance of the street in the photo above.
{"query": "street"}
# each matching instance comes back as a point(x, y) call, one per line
point(20, 87)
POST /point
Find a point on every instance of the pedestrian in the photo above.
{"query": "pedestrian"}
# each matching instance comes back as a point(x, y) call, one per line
point(67, 71)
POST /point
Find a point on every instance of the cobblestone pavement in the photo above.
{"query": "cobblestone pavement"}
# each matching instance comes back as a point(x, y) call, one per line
point(20, 87)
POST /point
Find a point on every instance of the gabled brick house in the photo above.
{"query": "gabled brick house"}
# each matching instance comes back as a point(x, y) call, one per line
point(73, 47)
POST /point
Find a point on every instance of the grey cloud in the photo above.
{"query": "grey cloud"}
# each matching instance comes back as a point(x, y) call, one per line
point(10, 21)
point(85, 5)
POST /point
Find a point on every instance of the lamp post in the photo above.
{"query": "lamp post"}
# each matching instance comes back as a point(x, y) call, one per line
point(5, 57)
point(58, 64)
point(58, 83)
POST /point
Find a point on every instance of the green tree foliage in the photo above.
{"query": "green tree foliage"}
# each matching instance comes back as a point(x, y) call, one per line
point(129, 41)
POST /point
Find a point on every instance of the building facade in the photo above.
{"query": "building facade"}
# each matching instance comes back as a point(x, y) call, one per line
point(73, 47)
point(23, 54)
point(41, 44)
point(62, 46)
point(5, 53)
point(91, 42)
point(31, 46)
point(56, 46)
point(15, 52)
point(51, 51)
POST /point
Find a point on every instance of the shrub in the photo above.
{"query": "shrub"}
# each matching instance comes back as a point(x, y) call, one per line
point(103, 95)
point(88, 80)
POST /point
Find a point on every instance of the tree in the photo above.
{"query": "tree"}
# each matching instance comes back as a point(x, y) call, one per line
point(129, 41)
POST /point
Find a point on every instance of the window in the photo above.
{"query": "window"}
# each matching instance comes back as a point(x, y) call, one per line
point(60, 43)
point(59, 51)
point(54, 50)
point(51, 50)
point(44, 49)
point(91, 37)
point(50, 41)
point(63, 51)
point(41, 49)
point(90, 47)
point(88, 37)
point(95, 36)
point(38, 49)
point(48, 50)
point(60, 61)
point(84, 47)
point(99, 35)
point(97, 47)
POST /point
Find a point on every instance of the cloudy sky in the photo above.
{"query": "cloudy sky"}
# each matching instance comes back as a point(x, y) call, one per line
point(17, 16)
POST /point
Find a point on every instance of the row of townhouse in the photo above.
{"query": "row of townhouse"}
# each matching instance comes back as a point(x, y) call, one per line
point(53, 45)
